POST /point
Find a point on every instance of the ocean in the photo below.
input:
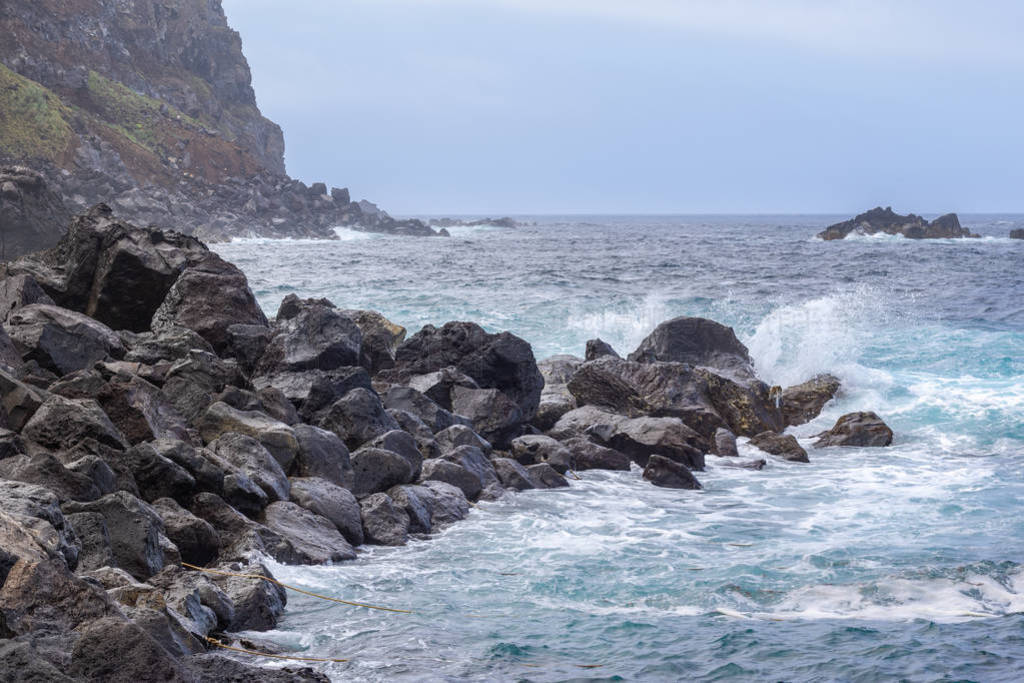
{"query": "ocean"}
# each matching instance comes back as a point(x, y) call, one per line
point(866, 564)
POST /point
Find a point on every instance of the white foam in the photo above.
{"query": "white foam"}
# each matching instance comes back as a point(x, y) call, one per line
point(623, 327)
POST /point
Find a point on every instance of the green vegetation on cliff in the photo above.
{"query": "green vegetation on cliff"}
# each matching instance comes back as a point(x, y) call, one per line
point(33, 120)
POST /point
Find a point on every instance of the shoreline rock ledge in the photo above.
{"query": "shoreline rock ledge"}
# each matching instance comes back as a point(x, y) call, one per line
point(887, 221)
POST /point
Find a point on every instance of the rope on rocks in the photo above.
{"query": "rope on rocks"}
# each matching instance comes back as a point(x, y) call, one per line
point(214, 641)
point(297, 590)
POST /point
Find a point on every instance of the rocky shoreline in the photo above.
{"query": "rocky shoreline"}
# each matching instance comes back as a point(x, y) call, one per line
point(153, 418)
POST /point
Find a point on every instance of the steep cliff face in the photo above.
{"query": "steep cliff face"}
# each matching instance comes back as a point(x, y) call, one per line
point(148, 105)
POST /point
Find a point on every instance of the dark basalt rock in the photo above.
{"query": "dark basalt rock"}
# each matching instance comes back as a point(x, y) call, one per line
point(196, 539)
point(460, 435)
point(61, 340)
point(670, 474)
point(309, 533)
point(32, 214)
point(37, 511)
point(157, 476)
point(494, 361)
point(412, 401)
point(783, 445)
point(534, 449)
point(857, 429)
point(401, 442)
point(449, 503)
point(357, 417)
point(19, 401)
point(891, 223)
point(18, 291)
point(257, 604)
point(597, 348)
point(1017, 234)
point(512, 475)
point(322, 454)
point(380, 339)
point(438, 386)
point(277, 437)
point(140, 411)
point(493, 414)
point(725, 443)
point(546, 477)
point(384, 523)
point(376, 470)
point(587, 455)
point(438, 469)
point(418, 503)
point(697, 341)
point(253, 460)
point(332, 502)
point(64, 424)
point(803, 402)
point(310, 334)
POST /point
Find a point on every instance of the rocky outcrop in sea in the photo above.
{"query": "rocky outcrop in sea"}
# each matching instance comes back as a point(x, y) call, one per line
point(879, 220)
point(161, 438)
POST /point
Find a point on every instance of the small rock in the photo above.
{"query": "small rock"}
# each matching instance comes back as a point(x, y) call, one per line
point(669, 474)
point(857, 429)
point(784, 445)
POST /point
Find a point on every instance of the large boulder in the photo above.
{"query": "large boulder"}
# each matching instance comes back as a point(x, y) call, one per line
point(332, 502)
point(449, 503)
point(410, 400)
point(18, 400)
point(250, 457)
point(61, 340)
point(257, 605)
point(641, 437)
point(438, 385)
point(803, 402)
point(209, 298)
point(494, 415)
point(454, 474)
point(322, 454)
point(700, 342)
point(357, 417)
point(418, 503)
point(208, 476)
point(597, 348)
point(140, 411)
point(856, 429)
point(669, 474)
point(473, 460)
point(196, 539)
point(241, 537)
point(587, 455)
point(512, 475)
point(310, 534)
point(275, 436)
point(32, 213)
point(376, 470)
point(381, 339)
point(494, 361)
point(310, 334)
point(546, 477)
point(65, 424)
point(783, 445)
point(555, 399)
point(535, 448)
point(310, 391)
point(887, 221)
point(37, 511)
point(18, 291)
point(403, 443)
point(460, 435)
point(384, 523)
point(157, 476)
point(46, 470)
point(193, 382)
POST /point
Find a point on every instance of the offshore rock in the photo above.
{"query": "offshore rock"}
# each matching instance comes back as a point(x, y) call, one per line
point(857, 429)
point(725, 443)
point(879, 220)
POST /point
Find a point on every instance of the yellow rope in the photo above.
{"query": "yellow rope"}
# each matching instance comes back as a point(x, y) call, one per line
point(214, 641)
point(293, 588)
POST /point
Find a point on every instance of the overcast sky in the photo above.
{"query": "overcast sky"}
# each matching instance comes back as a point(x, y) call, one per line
point(647, 106)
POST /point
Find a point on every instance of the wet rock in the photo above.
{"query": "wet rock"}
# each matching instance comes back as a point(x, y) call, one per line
point(512, 475)
point(384, 523)
point(583, 421)
point(357, 417)
point(63, 423)
point(438, 469)
point(460, 435)
point(214, 667)
point(1017, 234)
point(135, 529)
point(19, 400)
point(309, 533)
point(332, 502)
point(18, 291)
point(412, 401)
point(257, 604)
point(310, 335)
point(725, 443)
point(642, 437)
point(418, 503)
point(322, 454)
point(879, 220)
point(757, 464)
point(449, 504)
point(61, 340)
point(196, 539)
point(376, 469)
point(546, 477)
point(194, 595)
point(783, 445)
point(803, 402)
point(475, 462)
point(599, 384)
point(697, 341)
point(856, 429)
point(252, 459)
point(596, 348)
point(276, 437)
point(669, 474)
point(587, 455)
point(533, 449)
point(208, 298)
point(495, 361)
point(492, 413)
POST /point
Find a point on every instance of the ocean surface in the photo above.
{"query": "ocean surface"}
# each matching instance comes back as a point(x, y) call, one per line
point(864, 565)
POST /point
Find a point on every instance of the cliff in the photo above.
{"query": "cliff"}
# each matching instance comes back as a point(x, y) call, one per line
point(148, 105)
point(887, 221)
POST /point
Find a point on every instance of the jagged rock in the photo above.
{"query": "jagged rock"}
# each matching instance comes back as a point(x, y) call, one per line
point(512, 475)
point(545, 476)
point(10, 444)
point(37, 511)
point(64, 423)
point(384, 523)
point(79, 384)
point(193, 382)
point(669, 474)
point(240, 537)
point(725, 443)
point(247, 343)
point(250, 457)
point(596, 348)
point(1017, 234)
point(96, 471)
point(91, 529)
point(495, 361)
point(418, 503)
point(135, 529)
point(40, 594)
point(257, 604)
point(208, 298)
point(803, 402)
point(332, 502)
point(19, 400)
point(207, 475)
point(214, 667)
point(493, 414)
point(412, 401)
point(61, 340)
point(642, 437)
point(310, 391)
point(277, 437)
point(381, 339)
point(196, 539)
point(310, 334)
point(401, 442)
point(420, 432)
point(449, 504)
point(697, 341)
point(438, 469)
point(856, 429)
point(172, 343)
point(376, 469)
point(474, 461)
point(140, 411)
point(275, 404)
point(22, 657)
point(583, 421)
point(309, 533)
point(784, 445)
point(597, 384)
point(357, 417)
point(438, 386)
point(157, 476)
point(322, 454)
point(194, 595)
point(889, 222)
point(460, 435)
point(587, 455)
point(44, 469)
point(533, 449)
point(18, 291)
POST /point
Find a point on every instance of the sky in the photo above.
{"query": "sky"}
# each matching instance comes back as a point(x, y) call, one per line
point(492, 107)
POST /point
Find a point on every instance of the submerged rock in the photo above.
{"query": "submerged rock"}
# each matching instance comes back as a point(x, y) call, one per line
point(856, 429)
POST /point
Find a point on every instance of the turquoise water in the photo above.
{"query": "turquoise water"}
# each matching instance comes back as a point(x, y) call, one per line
point(866, 564)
